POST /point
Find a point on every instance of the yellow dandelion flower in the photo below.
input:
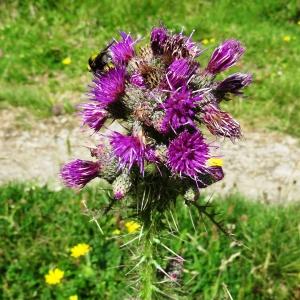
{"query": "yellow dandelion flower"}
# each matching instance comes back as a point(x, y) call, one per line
point(74, 297)
point(286, 38)
point(205, 41)
point(54, 276)
point(132, 226)
point(66, 61)
point(80, 250)
point(215, 162)
point(212, 40)
point(116, 232)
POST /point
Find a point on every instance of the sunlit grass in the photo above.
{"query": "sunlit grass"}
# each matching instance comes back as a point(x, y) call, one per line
point(36, 38)
point(39, 228)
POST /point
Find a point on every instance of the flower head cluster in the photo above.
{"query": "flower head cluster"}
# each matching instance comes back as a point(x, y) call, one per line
point(161, 97)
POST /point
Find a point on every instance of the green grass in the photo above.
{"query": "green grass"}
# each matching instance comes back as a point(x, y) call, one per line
point(36, 37)
point(39, 226)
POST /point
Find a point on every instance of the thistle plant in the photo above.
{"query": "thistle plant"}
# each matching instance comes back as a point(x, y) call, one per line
point(163, 100)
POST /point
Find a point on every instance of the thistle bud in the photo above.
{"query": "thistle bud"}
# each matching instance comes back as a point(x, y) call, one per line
point(233, 85)
point(225, 56)
point(220, 123)
point(121, 186)
point(191, 194)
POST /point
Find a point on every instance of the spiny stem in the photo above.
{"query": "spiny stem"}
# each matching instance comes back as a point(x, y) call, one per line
point(202, 209)
point(147, 268)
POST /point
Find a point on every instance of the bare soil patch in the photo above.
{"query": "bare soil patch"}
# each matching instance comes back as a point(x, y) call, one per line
point(263, 165)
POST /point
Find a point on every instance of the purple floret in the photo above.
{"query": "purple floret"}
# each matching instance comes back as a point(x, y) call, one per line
point(180, 71)
point(173, 45)
point(220, 123)
point(77, 173)
point(123, 50)
point(108, 87)
point(224, 56)
point(179, 110)
point(187, 154)
point(137, 80)
point(181, 46)
point(159, 36)
point(192, 47)
point(119, 195)
point(233, 84)
point(131, 150)
point(93, 115)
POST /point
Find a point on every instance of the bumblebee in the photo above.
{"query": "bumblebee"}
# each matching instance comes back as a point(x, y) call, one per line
point(101, 62)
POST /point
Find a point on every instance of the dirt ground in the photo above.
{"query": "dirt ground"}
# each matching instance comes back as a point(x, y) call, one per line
point(263, 166)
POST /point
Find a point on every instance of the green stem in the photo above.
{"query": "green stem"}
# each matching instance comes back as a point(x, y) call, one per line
point(147, 269)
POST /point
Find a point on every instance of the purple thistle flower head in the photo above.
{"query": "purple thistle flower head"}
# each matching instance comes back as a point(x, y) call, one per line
point(220, 123)
point(181, 46)
point(108, 87)
point(192, 47)
point(123, 50)
point(159, 36)
point(180, 71)
point(224, 56)
point(187, 154)
point(233, 84)
point(93, 115)
point(77, 173)
point(179, 110)
point(130, 150)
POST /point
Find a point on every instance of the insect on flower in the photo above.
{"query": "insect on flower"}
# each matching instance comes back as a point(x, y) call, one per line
point(101, 61)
